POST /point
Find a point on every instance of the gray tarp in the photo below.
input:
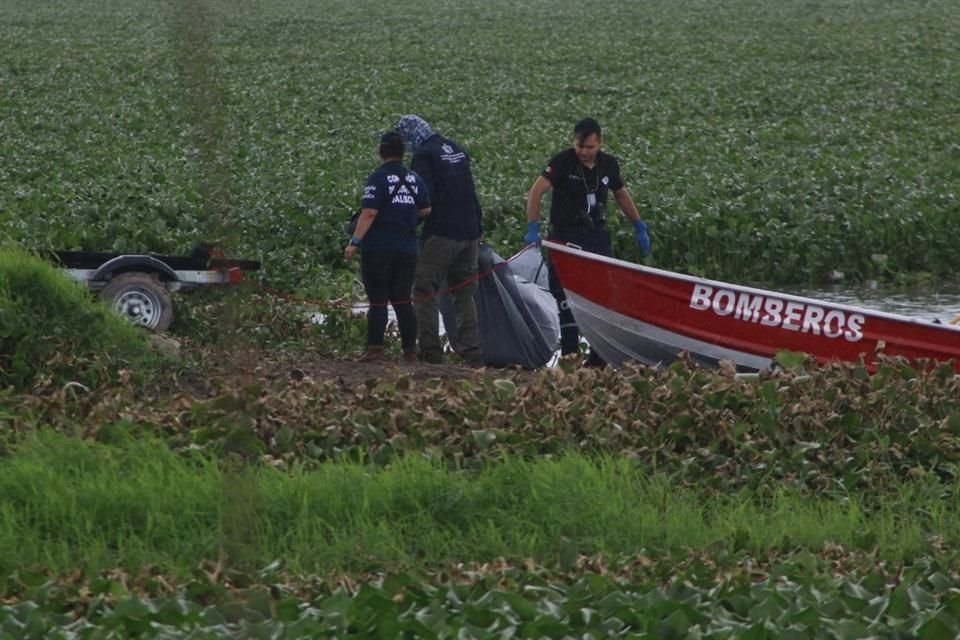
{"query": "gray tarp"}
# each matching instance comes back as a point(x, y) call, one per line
point(519, 325)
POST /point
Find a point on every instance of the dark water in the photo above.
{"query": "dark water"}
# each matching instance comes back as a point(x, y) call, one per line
point(941, 303)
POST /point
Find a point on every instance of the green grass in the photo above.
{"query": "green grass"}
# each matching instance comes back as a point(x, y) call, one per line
point(72, 503)
point(762, 140)
point(53, 332)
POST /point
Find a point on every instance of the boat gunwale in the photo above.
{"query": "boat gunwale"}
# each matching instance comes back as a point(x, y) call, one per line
point(896, 317)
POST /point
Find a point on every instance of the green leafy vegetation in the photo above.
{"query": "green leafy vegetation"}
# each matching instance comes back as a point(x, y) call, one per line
point(572, 545)
point(797, 597)
point(659, 499)
point(821, 429)
point(762, 141)
point(262, 488)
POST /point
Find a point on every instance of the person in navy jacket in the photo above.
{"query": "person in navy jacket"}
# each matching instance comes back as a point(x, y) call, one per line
point(450, 240)
point(394, 200)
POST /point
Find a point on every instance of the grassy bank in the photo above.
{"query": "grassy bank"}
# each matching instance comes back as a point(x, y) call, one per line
point(53, 333)
point(72, 503)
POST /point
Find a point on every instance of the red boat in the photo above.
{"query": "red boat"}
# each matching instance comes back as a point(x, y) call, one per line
point(630, 312)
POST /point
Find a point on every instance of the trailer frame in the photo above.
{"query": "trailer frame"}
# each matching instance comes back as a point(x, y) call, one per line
point(138, 286)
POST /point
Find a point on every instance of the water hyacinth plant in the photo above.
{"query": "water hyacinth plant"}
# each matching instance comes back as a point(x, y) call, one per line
point(762, 142)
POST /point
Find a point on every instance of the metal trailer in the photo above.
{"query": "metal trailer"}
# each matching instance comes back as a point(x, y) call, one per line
point(138, 286)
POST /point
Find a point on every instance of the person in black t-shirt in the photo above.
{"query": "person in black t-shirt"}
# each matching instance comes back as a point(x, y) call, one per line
point(450, 241)
point(581, 178)
point(394, 200)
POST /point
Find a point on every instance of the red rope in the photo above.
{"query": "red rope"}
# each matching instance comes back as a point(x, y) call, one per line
point(356, 306)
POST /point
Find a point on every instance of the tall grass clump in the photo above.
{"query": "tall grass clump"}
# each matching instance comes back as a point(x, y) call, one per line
point(134, 502)
point(53, 332)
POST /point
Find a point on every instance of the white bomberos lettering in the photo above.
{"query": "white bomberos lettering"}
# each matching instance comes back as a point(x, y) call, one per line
point(790, 315)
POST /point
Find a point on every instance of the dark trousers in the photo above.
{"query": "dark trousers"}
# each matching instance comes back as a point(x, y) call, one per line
point(388, 277)
point(596, 241)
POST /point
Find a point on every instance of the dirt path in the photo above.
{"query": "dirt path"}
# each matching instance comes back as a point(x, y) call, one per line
point(248, 366)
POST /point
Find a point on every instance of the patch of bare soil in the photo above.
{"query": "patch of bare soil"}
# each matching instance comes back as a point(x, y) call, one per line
point(351, 373)
point(246, 365)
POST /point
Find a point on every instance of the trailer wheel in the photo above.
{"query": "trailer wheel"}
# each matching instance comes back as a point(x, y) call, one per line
point(141, 299)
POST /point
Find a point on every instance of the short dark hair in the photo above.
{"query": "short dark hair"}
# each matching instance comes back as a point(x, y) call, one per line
point(586, 128)
point(391, 145)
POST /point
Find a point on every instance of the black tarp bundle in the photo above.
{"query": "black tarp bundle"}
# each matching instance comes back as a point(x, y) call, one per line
point(519, 325)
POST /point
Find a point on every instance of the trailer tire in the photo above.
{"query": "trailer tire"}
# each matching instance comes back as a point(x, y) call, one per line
point(140, 298)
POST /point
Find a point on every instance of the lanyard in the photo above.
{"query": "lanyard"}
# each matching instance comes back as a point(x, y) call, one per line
point(584, 179)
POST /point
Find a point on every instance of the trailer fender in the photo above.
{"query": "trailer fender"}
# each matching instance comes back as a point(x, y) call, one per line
point(131, 263)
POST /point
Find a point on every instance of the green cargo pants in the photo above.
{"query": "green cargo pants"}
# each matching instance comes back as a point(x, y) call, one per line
point(450, 263)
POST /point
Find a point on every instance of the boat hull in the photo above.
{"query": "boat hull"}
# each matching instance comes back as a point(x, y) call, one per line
point(628, 312)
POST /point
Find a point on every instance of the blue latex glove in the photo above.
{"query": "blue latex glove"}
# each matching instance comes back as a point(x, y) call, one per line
point(533, 233)
point(643, 238)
